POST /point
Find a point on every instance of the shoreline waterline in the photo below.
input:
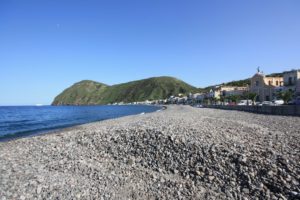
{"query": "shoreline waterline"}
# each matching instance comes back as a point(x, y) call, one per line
point(57, 128)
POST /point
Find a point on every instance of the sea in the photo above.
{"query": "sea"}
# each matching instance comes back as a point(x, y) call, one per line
point(26, 121)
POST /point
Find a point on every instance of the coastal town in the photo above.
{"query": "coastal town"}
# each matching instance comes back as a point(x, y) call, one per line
point(276, 89)
point(149, 100)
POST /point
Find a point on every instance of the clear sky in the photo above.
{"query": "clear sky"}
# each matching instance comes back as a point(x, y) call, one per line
point(47, 45)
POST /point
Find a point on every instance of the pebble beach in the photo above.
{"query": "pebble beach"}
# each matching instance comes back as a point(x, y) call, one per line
point(177, 153)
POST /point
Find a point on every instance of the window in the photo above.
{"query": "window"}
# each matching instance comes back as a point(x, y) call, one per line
point(276, 82)
point(257, 83)
point(270, 82)
point(290, 80)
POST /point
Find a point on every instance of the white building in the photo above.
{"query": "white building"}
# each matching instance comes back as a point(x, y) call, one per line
point(233, 90)
point(291, 80)
point(200, 97)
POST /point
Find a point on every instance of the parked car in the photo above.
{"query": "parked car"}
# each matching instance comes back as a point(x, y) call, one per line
point(199, 106)
point(278, 102)
point(267, 103)
point(244, 103)
point(295, 101)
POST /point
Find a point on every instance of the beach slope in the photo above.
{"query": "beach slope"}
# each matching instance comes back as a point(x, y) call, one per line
point(178, 153)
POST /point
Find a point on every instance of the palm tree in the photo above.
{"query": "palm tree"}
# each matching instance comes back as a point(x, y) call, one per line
point(251, 96)
point(286, 96)
point(235, 98)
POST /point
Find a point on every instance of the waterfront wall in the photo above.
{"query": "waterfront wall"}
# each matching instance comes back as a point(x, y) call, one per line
point(292, 110)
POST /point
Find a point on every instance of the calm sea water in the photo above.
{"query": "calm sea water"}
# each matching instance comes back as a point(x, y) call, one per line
point(21, 121)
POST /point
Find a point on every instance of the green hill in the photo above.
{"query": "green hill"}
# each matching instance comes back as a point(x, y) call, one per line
point(94, 93)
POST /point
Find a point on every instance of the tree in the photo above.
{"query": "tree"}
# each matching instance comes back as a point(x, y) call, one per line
point(222, 99)
point(251, 96)
point(214, 100)
point(205, 101)
point(235, 98)
point(286, 96)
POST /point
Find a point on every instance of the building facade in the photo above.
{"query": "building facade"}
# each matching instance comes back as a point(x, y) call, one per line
point(214, 93)
point(291, 81)
point(265, 87)
point(200, 98)
point(233, 90)
point(225, 91)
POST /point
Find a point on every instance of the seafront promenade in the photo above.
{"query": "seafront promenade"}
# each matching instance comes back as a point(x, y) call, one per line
point(287, 110)
point(178, 153)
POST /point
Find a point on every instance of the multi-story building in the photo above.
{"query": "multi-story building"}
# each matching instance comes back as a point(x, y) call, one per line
point(225, 91)
point(298, 88)
point(265, 87)
point(200, 98)
point(291, 81)
point(233, 90)
point(215, 92)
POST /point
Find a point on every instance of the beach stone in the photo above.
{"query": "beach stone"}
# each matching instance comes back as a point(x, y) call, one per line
point(199, 173)
point(178, 153)
point(245, 190)
point(211, 178)
point(130, 162)
point(39, 190)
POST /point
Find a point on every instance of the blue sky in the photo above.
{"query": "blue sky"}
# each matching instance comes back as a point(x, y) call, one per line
point(47, 45)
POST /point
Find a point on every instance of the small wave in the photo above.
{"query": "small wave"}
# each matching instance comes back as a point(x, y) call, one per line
point(15, 121)
point(31, 132)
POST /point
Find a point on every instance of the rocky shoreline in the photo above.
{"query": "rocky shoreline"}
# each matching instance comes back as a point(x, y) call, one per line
point(179, 153)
